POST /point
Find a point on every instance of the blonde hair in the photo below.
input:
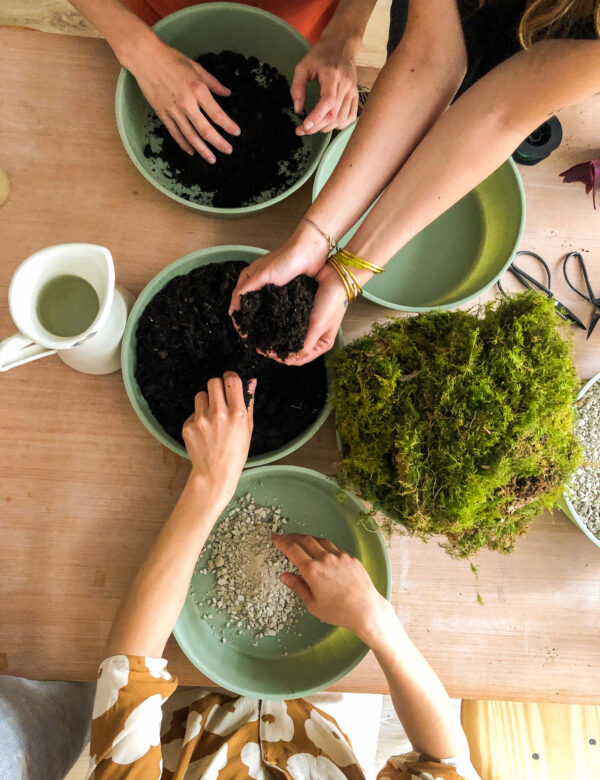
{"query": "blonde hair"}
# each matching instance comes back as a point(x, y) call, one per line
point(556, 18)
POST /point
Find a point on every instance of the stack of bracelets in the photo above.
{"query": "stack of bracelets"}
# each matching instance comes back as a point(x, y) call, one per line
point(343, 260)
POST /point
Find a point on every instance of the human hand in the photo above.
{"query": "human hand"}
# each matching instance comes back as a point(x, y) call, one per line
point(334, 586)
point(180, 91)
point(331, 302)
point(332, 62)
point(217, 437)
point(304, 253)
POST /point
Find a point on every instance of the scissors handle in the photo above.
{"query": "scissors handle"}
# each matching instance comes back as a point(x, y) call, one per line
point(591, 297)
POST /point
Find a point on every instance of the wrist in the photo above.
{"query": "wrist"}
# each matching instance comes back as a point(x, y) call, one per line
point(203, 495)
point(309, 245)
point(374, 629)
point(136, 45)
point(345, 35)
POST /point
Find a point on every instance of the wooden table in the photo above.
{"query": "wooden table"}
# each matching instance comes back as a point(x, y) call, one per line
point(85, 487)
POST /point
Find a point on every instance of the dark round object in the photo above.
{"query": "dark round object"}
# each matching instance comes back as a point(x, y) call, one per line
point(540, 144)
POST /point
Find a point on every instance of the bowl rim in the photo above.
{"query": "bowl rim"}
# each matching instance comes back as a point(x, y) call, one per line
point(124, 75)
point(341, 139)
point(572, 513)
point(363, 649)
point(128, 348)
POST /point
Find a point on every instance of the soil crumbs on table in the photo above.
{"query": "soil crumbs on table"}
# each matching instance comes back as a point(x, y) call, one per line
point(185, 337)
point(275, 319)
point(267, 158)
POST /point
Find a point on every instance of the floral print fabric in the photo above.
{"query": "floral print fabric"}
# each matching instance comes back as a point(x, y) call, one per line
point(211, 734)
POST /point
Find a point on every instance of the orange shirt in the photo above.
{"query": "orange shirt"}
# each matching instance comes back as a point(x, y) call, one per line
point(309, 17)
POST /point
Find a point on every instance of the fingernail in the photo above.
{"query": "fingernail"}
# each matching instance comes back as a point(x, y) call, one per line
point(296, 106)
point(228, 150)
point(300, 131)
point(308, 125)
point(237, 131)
point(212, 160)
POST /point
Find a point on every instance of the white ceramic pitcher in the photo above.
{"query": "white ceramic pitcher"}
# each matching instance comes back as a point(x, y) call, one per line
point(97, 350)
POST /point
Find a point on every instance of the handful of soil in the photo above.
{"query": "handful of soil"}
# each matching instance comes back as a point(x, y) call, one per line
point(185, 337)
point(275, 319)
point(268, 157)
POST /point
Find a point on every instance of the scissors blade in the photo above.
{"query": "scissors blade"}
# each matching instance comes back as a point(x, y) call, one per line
point(594, 320)
point(567, 314)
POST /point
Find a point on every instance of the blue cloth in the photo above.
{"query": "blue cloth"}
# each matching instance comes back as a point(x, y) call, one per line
point(44, 727)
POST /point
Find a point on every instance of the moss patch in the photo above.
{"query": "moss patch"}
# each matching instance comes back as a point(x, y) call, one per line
point(460, 425)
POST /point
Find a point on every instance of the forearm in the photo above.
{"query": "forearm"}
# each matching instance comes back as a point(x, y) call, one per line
point(348, 23)
point(419, 698)
point(415, 86)
point(126, 33)
point(152, 605)
point(493, 116)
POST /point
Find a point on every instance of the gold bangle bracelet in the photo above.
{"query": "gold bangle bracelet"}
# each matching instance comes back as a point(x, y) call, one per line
point(350, 282)
point(348, 258)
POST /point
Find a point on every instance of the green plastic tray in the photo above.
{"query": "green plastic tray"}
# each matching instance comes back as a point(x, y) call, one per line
point(323, 654)
point(217, 254)
point(456, 258)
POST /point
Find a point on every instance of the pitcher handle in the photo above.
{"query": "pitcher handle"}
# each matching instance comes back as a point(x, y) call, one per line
point(17, 350)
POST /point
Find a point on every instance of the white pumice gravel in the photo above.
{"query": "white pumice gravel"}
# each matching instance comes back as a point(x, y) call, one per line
point(586, 480)
point(245, 566)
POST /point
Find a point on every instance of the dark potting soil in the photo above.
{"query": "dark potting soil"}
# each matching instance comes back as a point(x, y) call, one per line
point(185, 337)
point(267, 158)
point(275, 319)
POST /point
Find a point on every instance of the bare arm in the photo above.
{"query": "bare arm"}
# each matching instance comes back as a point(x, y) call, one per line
point(337, 589)
point(217, 437)
point(179, 90)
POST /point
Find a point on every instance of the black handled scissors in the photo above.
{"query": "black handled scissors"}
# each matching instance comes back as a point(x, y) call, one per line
point(590, 295)
point(534, 284)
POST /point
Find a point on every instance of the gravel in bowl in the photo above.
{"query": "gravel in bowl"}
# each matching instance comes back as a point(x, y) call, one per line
point(585, 483)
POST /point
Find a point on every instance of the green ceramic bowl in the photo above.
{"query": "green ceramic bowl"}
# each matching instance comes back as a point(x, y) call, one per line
point(566, 504)
point(213, 27)
point(216, 254)
point(323, 654)
point(457, 257)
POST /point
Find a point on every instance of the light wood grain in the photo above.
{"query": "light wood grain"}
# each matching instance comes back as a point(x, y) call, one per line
point(85, 487)
point(533, 741)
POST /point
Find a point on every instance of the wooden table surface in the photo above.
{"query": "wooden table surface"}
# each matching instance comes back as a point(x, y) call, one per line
point(85, 488)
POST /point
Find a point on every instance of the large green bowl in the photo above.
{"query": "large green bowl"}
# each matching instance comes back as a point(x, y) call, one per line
point(323, 654)
point(216, 254)
point(213, 27)
point(566, 504)
point(456, 258)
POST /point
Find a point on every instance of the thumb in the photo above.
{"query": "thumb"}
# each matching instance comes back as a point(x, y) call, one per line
point(211, 82)
point(298, 88)
point(297, 585)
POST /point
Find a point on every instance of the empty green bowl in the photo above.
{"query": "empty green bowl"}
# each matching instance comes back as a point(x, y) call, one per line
point(213, 27)
point(456, 258)
point(216, 254)
point(566, 504)
point(314, 505)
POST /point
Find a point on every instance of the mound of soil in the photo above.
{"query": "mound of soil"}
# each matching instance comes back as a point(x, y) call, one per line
point(275, 319)
point(185, 337)
point(267, 158)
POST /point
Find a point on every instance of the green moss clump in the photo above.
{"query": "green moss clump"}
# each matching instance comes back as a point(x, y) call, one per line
point(460, 425)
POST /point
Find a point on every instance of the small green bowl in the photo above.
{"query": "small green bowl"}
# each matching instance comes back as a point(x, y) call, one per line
point(456, 258)
point(313, 504)
point(213, 27)
point(567, 505)
point(216, 254)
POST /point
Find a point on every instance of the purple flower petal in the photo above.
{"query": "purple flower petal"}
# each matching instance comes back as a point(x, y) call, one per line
point(587, 173)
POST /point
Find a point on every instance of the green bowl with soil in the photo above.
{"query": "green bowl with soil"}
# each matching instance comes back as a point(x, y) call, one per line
point(456, 258)
point(269, 161)
point(570, 497)
point(309, 655)
point(179, 334)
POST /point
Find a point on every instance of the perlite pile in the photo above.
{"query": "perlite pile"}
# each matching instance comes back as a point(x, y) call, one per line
point(246, 567)
point(586, 480)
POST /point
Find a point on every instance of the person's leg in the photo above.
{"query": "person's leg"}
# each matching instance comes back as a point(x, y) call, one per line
point(44, 726)
point(398, 18)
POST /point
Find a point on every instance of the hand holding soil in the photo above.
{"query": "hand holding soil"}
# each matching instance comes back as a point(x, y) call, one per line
point(274, 319)
point(335, 68)
point(180, 91)
point(217, 437)
point(334, 586)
